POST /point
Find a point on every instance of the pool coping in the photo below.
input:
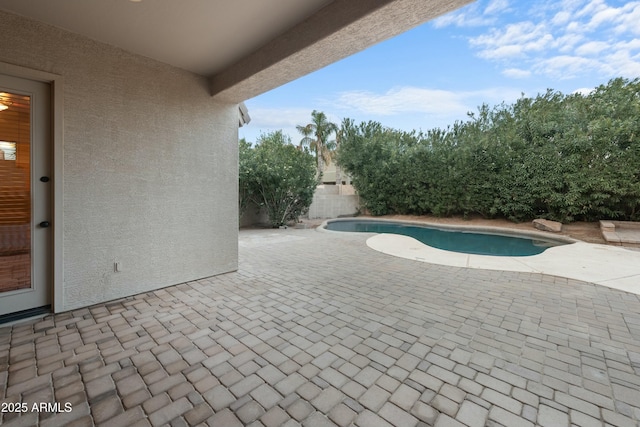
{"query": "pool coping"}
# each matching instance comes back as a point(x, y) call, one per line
point(477, 228)
point(610, 266)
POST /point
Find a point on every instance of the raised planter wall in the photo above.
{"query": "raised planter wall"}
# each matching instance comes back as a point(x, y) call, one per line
point(625, 233)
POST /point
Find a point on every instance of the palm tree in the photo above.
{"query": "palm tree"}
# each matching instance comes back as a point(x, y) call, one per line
point(316, 136)
point(339, 135)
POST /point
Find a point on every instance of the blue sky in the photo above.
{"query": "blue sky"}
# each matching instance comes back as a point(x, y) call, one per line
point(490, 51)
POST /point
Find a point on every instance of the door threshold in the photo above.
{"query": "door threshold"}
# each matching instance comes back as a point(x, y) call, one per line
point(11, 318)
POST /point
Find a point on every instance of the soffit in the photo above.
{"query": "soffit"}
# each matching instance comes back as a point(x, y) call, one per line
point(202, 36)
point(245, 47)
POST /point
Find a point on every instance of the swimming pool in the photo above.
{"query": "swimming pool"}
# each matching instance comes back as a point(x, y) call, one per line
point(456, 240)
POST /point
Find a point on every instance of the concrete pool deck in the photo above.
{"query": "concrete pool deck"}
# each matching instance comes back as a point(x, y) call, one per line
point(610, 266)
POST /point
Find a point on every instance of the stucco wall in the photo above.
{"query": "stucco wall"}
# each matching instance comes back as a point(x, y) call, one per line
point(150, 166)
point(254, 215)
point(327, 203)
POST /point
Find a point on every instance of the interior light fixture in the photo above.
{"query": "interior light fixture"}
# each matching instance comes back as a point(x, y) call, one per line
point(5, 101)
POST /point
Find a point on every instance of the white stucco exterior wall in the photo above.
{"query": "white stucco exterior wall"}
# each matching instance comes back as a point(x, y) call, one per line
point(150, 166)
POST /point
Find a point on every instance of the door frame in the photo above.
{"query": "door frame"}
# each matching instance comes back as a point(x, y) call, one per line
point(57, 136)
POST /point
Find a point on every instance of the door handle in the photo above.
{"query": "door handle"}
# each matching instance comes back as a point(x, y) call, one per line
point(44, 224)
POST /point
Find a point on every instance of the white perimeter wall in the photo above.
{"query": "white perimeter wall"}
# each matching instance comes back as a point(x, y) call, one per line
point(150, 166)
point(327, 203)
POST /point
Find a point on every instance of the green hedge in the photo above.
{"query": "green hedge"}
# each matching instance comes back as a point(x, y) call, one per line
point(561, 157)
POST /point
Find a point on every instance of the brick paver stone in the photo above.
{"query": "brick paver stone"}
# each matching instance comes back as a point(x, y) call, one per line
point(404, 397)
point(374, 398)
point(327, 399)
point(424, 412)
point(342, 415)
point(551, 417)
point(446, 421)
point(225, 418)
point(249, 412)
point(372, 340)
point(266, 396)
point(300, 409)
point(472, 414)
point(106, 408)
point(219, 397)
point(397, 416)
point(290, 384)
point(317, 420)
point(127, 418)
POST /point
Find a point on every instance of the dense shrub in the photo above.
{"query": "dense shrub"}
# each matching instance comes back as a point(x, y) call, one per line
point(277, 176)
point(563, 157)
point(245, 166)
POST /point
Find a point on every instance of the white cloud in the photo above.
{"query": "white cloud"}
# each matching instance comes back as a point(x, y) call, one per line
point(560, 39)
point(501, 52)
point(512, 41)
point(584, 91)
point(276, 118)
point(404, 108)
point(586, 8)
point(265, 120)
point(404, 99)
point(424, 101)
point(496, 6)
point(564, 67)
point(561, 18)
point(473, 15)
point(604, 16)
point(592, 48)
point(516, 73)
point(622, 62)
point(630, 45)
point(567, 43)
point(628, 21)
point(461, 20)
point(411, 107)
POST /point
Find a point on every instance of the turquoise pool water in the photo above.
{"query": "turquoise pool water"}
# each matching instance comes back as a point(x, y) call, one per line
point(452, 240)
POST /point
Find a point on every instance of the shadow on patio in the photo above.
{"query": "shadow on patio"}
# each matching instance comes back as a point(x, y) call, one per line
point(317, 329)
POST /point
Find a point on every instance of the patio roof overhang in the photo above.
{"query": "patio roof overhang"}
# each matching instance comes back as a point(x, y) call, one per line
point(245, 47)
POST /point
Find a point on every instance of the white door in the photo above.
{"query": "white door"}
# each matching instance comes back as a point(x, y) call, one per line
point(25, 197)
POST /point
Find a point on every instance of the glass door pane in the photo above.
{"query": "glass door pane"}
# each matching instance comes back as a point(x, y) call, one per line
point(15, 192)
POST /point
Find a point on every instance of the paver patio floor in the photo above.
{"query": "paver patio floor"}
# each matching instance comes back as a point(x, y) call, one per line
point(317, 329)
